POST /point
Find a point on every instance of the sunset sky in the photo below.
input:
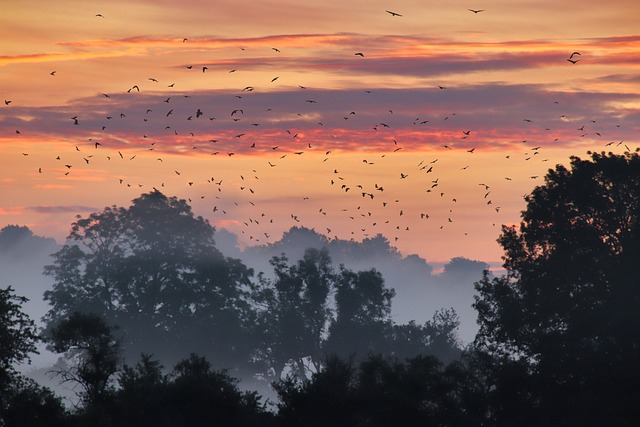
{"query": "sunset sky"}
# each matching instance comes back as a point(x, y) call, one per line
point(428, 127)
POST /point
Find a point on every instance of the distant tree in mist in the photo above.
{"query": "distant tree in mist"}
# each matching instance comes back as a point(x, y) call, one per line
point(153, 270)
point(15, 238)
point(565, 318)
point(297, 240)
point(310, 311)
point(294, 313)
point(436, 337)
point(23, 255)
point(461, 271)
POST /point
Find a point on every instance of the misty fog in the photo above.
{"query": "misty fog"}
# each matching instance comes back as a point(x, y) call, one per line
point(419, 291)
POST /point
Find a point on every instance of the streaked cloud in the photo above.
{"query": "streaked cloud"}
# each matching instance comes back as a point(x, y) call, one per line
point(61, 209)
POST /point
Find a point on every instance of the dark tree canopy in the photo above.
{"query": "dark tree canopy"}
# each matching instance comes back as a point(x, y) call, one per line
point(92, 348)
point(379, 391)
point(154, 271)
point(18, 335)
point(569, 304)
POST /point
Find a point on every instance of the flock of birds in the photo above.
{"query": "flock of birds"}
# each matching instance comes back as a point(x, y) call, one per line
point(369, 206)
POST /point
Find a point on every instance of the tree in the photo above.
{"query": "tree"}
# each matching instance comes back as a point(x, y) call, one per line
point(295, 312)
point(26, 403)
point(363, 308)
point(153, 270)
point(379, 391)
point(90, 344)
point(18, 335)
point(568, 307)
point(329, 398)
point(18, 338)
point(194, 394)
point(436, 337)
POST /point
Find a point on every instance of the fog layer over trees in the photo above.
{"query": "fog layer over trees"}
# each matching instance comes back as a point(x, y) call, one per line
point(142, 288)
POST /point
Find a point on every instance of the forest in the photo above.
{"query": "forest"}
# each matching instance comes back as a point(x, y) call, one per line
point(155, 326)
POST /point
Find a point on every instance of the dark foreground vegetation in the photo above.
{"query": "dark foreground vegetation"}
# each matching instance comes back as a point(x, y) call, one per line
point(140, 289)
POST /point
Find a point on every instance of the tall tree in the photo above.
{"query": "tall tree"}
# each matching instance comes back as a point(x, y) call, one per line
point(568, 306)
point(153, 270)
point(363, 309)
point(295, 312)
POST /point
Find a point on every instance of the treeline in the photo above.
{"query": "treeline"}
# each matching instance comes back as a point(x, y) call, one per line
point(558, 343)
point(153, 270)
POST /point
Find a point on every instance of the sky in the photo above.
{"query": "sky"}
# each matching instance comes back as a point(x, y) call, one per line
point(427, 125)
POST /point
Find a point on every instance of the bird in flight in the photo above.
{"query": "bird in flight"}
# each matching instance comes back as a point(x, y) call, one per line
point(392, 13)
point(476, 10)
point(359, 54)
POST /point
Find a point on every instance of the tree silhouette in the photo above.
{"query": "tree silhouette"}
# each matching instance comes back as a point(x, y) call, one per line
point(18, 335)
point(88, 342)
point(363, 307)
point(25, 403)
point(193, 395)
point(329, 398)
point(154, 271)
point(18, 338)
point(295, 312)
point(379, 391)
point(436, 337)
point(567, 309)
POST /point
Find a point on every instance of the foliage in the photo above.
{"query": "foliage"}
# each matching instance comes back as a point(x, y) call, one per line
point(193, 395)
point(95, 353)
point(153, 270)
point(436, 337)
point(18, 335)
point(295, 313)
point(21, 400)
point(566, 313)
point(309, 311)
point(363, 307)
point(378, 392)
point(25, 403)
